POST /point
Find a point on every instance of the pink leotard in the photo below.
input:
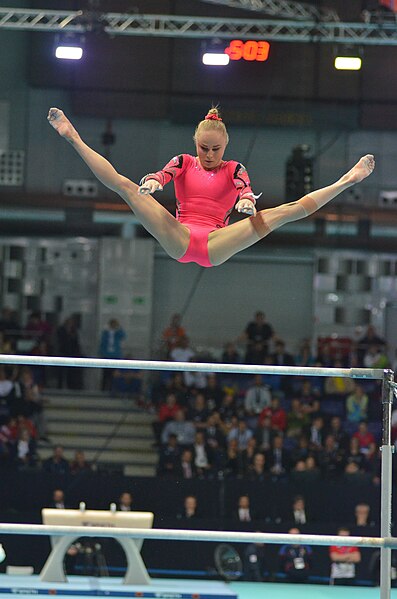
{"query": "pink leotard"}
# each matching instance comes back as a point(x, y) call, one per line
point(204, 198)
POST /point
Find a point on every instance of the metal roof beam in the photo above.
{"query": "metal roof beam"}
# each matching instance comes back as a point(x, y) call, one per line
point(200, 27)
point(284, 9)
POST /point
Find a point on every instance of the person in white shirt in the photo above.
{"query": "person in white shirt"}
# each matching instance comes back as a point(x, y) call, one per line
point(257, 397)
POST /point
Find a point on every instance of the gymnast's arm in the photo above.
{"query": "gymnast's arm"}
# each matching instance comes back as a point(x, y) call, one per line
point(101, 167)
point(156, 181)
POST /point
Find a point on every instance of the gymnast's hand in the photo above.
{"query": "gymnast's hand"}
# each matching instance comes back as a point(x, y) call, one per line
point(149, 186)
point(61, 124)
point(246, 207)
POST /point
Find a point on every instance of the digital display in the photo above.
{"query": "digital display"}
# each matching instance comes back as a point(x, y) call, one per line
point(250, 50)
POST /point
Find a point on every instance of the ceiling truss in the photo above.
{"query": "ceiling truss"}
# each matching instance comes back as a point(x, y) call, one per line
point(199, 27)
point(284, 9)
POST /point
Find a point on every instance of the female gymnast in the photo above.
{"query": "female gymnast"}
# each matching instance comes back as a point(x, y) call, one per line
point(207, 188)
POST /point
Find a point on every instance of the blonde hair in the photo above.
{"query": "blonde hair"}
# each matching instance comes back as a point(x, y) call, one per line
point(212, 122)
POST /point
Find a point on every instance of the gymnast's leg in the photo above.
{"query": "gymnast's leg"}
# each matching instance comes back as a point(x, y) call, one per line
point(224, 243)
point(171, 234)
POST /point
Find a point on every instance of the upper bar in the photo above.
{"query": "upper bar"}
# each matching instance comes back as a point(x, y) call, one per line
point(355, 373)
point(196, 535)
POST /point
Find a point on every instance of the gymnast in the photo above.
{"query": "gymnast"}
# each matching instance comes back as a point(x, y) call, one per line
point(207, 189)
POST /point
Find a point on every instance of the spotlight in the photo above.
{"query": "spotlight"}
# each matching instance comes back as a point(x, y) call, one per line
point(69, 47)
point(348, 63)
point(348, 59)
point(215, 59)
point(214, 54)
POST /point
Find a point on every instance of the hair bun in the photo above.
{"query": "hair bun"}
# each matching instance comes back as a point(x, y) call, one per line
point(213, 115)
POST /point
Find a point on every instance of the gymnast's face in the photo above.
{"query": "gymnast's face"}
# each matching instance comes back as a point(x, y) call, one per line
point(210, 146)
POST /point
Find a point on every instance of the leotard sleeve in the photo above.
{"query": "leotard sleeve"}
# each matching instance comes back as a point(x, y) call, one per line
point(171, 171)
point(242, 183)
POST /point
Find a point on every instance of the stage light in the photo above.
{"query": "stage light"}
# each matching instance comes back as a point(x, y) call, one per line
point(69, 47)
point(215, 59)
point(348, 63)
point(68, 52)
point(213, 53)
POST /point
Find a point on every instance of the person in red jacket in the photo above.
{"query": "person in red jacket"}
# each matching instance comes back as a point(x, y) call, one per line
point(343, 561)
point(277, 415)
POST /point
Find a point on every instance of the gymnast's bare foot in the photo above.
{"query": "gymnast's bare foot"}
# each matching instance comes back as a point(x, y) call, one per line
point(61, 124)
point(361, 170)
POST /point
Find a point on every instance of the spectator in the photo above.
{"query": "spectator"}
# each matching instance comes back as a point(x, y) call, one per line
point(376, 357)
point(188, 467)
point(170, 458)
point(309, 399)
point(58, 500)
point(312, 470)
point(9, 324)
point(352, 474)
point(127, 383)
point(362, 515)
point(39, 371)
point(317, 434)
point(343, 561)
point(354, 455)
point(258, 333)
point(341, 437)
point(213, 392)
point(298, 470)
point(7, 394)
point(248, 454)
point(257, 472)
point(296, 560)
point(214, 432)
point(80, 465)
point(264, 433)
point(282, 358)
point(230, 354)
point(244, 512)
point(184, 353)
point(125, 502)
point(68, 344)
point(166, 412)
point(228, 408)
point(33, 405)
point(254, 563)
point(232, 462)
point(189, 511)
point(57, 463)
point(257, 398)
point(299, 513)
point(278, 458)
point(301, 451)
point(278, 416)
point(25, 449)
point(198, 413)
point(305, 356)
point(371, 338)
point(338, 387)
point(357, 404)
point(184, 430)
point(298, 420)
point(366, 440)
point(241, 433)
point(331, 459)
point(111, 347)
point(202, 454)
point(37, 328)
point(173, 334)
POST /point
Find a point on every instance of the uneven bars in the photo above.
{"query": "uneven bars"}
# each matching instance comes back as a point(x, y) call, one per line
point(354, 373)
point(167, 534)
